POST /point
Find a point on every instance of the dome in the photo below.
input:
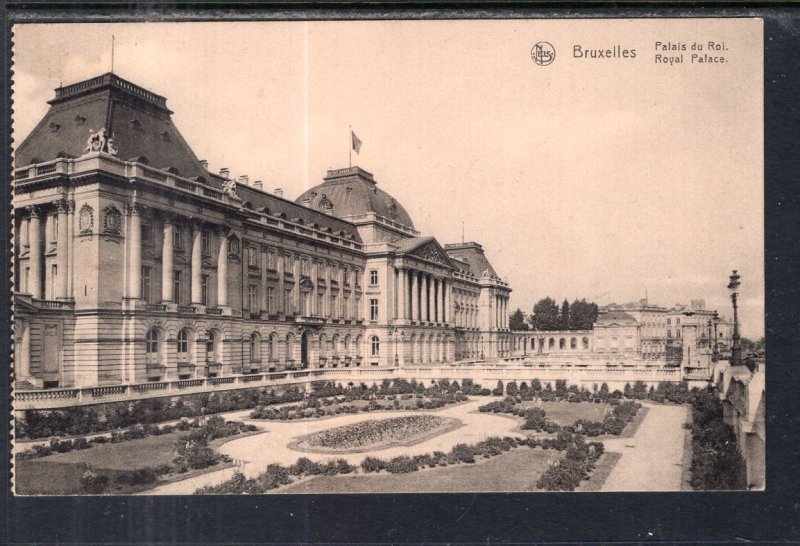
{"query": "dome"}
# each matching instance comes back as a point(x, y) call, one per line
point(353, 192)
point(620, 318)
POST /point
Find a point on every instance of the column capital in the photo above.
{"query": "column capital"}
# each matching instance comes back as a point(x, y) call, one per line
point(34, 210)
point(134, 208)
point(61, 206)
point(223, 230)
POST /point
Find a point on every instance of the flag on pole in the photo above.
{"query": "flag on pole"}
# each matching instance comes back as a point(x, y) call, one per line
point(356, 141)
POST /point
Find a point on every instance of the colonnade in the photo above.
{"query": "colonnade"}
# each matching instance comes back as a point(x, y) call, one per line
point(501, 311)
point(59, 276)
point(422, 297)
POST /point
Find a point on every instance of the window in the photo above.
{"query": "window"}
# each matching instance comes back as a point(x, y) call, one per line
point(304, 266)
point(271, 260)
point(270, 300)
point(255, 348)
point(357, 275)
point(346, 307)
point(357, 312)
point(54, 230)
point(146, 270)
point(252, 297)
point(304, 310)
point(53, 279)
point(152, 341)
point(375, 345)
point(677, 322)
point(147, 232)
point(669, 333)
point(211, 344)
point(176, 285)
point(288, 263)
point(669, 321)
point(252, 256)
point(373, 277)
point(177, 237)
point(204, 289)
point(373, 309)
point(204, 242)
point(287, 301)
point(320, 305)
point(183, 341)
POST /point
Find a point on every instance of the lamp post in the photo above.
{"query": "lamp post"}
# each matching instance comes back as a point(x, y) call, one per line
point(733, 286)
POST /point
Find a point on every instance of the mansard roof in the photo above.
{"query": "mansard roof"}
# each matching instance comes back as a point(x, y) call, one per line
point(471, 254)
point(138, 121)
point(260, 201)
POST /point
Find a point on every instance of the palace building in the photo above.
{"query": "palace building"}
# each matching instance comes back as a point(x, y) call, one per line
point(135, 264)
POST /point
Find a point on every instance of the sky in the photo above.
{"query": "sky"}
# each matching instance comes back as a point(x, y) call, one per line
point(603, 178)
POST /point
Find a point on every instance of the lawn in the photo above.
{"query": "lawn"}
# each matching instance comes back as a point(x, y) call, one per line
point(129, 455)
point(515, 470)
point(566, 413)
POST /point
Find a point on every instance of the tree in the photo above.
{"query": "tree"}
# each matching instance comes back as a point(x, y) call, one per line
point(565, 315)
point(516, 321)
point(582, 315)
point(545, 315)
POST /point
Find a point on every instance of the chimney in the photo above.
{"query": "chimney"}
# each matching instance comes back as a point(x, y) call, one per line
point(244, 179)
point(278, 192)
point(204, 163)
point(258, 184)
point(224, 172)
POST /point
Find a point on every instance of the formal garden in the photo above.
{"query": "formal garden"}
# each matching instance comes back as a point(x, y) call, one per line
point(127, 448)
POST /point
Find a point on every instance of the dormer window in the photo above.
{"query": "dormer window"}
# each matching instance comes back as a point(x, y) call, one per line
point(325, 203)
point(164, 135)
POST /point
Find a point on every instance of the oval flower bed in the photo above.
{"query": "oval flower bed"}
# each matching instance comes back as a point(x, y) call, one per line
point(367, 435)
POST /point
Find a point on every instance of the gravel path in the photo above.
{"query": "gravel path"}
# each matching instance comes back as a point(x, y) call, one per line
point(653, 459)
point(258, 450)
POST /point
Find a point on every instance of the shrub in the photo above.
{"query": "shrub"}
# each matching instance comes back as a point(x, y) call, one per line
point(139, 476)
point(401, 465)
point(463, 453)
point(498, 390)
point(372, 464)
point(93, 483)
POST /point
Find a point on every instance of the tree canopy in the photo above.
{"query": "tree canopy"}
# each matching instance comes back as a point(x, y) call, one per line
point(516, 321)
point(547, 315)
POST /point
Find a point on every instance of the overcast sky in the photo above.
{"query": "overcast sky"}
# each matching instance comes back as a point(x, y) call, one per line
point(605, 178)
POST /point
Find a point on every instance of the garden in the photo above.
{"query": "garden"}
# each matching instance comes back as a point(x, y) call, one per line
point(376, 434)
point(123, 463)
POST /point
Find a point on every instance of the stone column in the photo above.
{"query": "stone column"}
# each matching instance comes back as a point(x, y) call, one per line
point(315, 310)
point(197, 263)
point(135, 260)
point(70, 242)
point(264, 265)
point(426, 302)
point(167, 262)
point(436, 288)
point(281, 286)
point(35, 254)
point(23, 358)
point(403, 294)
point(326, 300)
point(63, 250)
point(296, 291)
point(414, 296)
point(222, 268)
point(446, 302)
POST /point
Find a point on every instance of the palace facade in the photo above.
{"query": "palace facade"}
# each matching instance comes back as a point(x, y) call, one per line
point(139, 272)
point(134, 263)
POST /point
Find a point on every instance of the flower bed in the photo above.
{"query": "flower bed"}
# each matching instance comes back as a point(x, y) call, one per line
point(374, 434)
point(578, 453)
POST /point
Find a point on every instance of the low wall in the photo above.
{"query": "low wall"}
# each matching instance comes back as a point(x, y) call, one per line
point(482, 373)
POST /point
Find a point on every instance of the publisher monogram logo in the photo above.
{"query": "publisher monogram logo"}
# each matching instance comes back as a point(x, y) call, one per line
point(543, 53)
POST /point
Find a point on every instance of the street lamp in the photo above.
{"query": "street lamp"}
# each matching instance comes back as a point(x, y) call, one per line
point(736, 351)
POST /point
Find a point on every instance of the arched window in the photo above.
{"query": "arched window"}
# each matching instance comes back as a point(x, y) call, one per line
point(573, 343)
point(551, 343)
point(358, 346)
point(255, 347)
point(586, 343)
point(562, 343)
point(346, 346)
point(335, 345)
point(183, 341)
point(289, 347)
point(153, 341)
point(271, 352)
point(375, 344)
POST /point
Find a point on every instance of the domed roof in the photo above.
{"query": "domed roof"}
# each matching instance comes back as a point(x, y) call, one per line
point(353, 192)
point(616, 317)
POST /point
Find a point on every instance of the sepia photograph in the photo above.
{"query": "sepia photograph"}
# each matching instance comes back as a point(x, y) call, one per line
point(388, 256)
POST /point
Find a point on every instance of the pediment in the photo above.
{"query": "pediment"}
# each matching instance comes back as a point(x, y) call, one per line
point(432, 252)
